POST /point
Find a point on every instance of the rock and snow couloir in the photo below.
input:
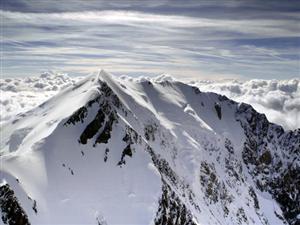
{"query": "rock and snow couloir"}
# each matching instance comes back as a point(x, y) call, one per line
point(111, 151)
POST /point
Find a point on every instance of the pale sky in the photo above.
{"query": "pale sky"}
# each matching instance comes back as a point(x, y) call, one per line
point(188, 39)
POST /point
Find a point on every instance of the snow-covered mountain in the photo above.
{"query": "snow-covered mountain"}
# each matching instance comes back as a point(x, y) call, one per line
point(119, 151)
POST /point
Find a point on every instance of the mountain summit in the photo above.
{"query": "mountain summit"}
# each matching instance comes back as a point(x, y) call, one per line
point(121, 151)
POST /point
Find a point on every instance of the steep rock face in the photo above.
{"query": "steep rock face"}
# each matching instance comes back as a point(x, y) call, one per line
point(155, 152)
point(272, 157)
point(171, 210)
point(12, 212)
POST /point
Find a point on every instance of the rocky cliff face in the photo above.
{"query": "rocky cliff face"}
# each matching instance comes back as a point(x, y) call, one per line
point(140, 152)
point(11, 210)
point(272, 157)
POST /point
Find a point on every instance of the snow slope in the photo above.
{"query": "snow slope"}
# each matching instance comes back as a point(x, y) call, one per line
point(19, 95)
point(118, 151)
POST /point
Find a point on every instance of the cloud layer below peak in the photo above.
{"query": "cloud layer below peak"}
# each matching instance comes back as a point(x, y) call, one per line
point(279, 100)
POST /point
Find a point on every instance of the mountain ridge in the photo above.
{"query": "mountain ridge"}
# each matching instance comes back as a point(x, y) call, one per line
point(195, 148)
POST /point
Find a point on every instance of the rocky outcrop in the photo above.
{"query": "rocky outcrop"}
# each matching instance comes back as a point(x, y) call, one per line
point(171, 210)
point(275, 171)
point(204, 176)
point(12, 212)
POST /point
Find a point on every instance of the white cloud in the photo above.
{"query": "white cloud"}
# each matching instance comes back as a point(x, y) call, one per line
point(278, 99)
point(19, 95)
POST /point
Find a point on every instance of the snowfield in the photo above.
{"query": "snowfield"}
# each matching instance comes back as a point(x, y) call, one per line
point(109, 150)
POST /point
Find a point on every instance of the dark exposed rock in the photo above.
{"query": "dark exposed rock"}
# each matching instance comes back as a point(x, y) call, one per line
point(104, 136)
point(171, 210)
point(167, 173)
point(106, 100)
point(286, 190)
point(106, 154)
point(254, 197)
point(100, 221)
point(164, 168)
point(210, 182)
point(214, 189)
point(268, 171)
point(82, 112)
point(71, 171)
point(105, 89)
point(228, 146)
point(108, 92)
point(218, 110)
point(93, 127)
point(242, 218)
point(78, 116)
point(266, 158)
point(126, 152)
point(34, 206)
point(234, 169)
point(223, 98)
point(94, 100)
point(131, 136)
point(127, 138)
point(196, 90)
point(11, 210)
point(149, 132)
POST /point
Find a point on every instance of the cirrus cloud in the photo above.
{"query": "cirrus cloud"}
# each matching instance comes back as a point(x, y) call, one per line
point(194, 39)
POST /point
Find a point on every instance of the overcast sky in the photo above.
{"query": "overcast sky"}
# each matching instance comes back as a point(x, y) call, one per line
point(188, 39)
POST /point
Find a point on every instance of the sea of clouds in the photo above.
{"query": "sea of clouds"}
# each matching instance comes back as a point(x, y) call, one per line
point(279, 100)
point(18, 95)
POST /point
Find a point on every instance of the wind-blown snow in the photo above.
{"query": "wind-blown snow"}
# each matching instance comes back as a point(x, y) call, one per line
point(278, 99)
